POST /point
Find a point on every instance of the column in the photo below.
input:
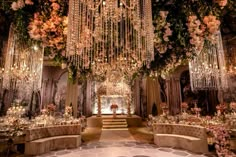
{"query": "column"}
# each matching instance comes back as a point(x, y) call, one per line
point(99, 106)
point(72, 96)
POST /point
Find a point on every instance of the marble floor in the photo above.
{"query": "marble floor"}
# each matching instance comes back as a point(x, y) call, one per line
point(122, 149)
point(132, 142)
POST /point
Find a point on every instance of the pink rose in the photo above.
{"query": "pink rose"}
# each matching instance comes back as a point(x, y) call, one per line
point(29, 2)
point(55, 6)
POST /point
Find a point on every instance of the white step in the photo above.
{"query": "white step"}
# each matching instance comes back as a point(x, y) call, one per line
point(115, 129)
point(114, 123)
point(114, 120)
point(115, 126)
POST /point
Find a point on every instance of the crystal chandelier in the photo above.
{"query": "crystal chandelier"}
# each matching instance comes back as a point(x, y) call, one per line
point(231, 60)
point(207, 69)
point(22, 70)
point(103, 34)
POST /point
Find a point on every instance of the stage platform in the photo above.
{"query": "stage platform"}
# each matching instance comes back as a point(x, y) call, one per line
point(133, 121)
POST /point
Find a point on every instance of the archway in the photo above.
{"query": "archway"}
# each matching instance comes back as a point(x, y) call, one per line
point(108, 93)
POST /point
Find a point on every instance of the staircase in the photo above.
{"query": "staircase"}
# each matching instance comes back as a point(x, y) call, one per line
point(110, 123)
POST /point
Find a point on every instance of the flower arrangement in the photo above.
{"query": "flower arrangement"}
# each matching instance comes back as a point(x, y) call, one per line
point(184, 105)
point(196, 110)
point(181, 27)
point(19, 4)
point(44, 111)
point(165, 108)
point(193, 30)
point(162, 32)
point(221, 107)
point(68, 112)
point(233, 106)
point(50, 26)
point(51, 108)
point(114, 107)
point(221, 136)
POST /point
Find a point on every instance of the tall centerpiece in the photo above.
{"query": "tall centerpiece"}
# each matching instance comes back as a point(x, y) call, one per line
point(114, 108)
point(164, 108)
point(184, 107)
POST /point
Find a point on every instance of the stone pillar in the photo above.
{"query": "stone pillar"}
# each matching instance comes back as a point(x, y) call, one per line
point(99, 106)
point(128, 100)
point(72, 96)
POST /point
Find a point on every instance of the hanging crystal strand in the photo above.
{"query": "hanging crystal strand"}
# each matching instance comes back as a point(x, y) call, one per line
point(149, 29)
point(222, 64)
point(93, 46)
point(127, 35)
point(207, 69)
point(106, 35)
point(70, 28)
point(132, 39)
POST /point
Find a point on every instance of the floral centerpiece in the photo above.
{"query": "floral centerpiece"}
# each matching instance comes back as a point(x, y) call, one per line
point(51, 108)
point(114, 107)
point(196, 110)
point(184, 106)
point(221, 108)
point(164, 107)
point(68, 112)
point(232, 106)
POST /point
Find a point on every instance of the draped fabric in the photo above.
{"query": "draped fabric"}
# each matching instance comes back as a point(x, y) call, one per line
point(153, 95)
point(35, 101)
point(136, 97)
point(89, 92)
point(72, 96)
point(173, 95)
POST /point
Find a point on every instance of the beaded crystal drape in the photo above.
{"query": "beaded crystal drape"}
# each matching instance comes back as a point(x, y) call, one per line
point(105, 34)
point(23, 66)
point(207, 70)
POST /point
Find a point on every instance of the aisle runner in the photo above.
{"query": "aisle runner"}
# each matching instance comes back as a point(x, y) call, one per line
point(116, 135)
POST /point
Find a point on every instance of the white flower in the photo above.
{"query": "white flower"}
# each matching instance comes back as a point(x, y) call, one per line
point(14, 6)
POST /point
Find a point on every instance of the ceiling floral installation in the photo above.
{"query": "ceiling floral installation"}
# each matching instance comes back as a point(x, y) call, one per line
point(181, 28)
point(49, 25)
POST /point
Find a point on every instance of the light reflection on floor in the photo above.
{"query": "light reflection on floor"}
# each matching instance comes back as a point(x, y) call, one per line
point(127, 142)
point(122, 149)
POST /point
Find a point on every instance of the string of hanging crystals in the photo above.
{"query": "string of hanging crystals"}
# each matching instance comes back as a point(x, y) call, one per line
point(207, 69)
point(22, 71)
point(105, 34)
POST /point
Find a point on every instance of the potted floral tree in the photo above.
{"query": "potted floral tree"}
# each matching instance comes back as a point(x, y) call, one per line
point(114, 108)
